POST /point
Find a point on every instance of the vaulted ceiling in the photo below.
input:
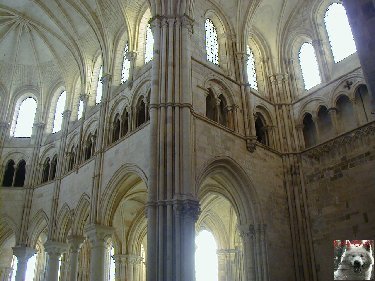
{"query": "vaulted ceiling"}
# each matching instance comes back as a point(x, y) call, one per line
point(46, 42)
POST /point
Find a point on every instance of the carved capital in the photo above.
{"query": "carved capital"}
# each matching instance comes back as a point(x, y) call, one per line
point(23, 253)
point(251, 144)
point(98, 233)
point(55, 249)
point(75, 243)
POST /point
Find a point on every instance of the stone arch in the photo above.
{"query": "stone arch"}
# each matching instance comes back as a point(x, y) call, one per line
point(118, 186)
point(137, 234)
point(38, 224)
point(8, 228)
point(239, 188)
point(81, 214)
point(63, 223)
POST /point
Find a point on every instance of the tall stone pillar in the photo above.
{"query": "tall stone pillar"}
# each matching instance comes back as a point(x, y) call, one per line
point(23, 254)
point(98, 236)
point(247, 235)
point(120, 264)
point(361, 16)
point(75, 243)
point(54, 250)
point(171, 208)
point(333, 115)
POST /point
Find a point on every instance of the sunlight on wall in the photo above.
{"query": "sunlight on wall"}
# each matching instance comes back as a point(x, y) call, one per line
point(206, 263)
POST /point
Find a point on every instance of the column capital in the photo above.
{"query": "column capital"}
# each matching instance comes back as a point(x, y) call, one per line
point(188, 208)
point(54, 248)
point(23, 252)
point(66, 114)
point(106, 78)
point(75, 242)
point(98, 233)
point(131, 55)
point(84, 97)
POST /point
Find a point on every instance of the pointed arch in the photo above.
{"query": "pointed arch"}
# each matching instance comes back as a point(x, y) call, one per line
point(37, 225)
point(82, 212)
point(63, 223)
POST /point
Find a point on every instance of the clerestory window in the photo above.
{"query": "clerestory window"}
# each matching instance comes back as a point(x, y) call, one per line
point(212, 45)
point(251, 73)
point(60, 105)
point(125, 65)
point(309, 66)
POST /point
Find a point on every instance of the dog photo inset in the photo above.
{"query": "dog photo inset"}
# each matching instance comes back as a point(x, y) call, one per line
point(353, 259)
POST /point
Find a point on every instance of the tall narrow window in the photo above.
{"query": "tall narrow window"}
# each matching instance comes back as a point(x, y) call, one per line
point(251, 73)
point(339, 32)
point(60, 105)
point(80, 109)
point(149, 47)
point(99, 87)
point(212, 45)
point(25, 118)
point(125, 65)
point(9, 173)
point(309, 66)
point(19, 179)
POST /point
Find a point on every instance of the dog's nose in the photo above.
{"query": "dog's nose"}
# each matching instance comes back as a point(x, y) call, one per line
point(357, 264)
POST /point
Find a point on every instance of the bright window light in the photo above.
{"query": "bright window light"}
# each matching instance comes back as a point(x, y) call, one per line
point(251, 73)
point(339, 32)
point(80, 109)
point(60, 105)
point(149, 47)
point(125, 65)
point(309, 66)
point(206, 262)
point(212, 45)
point(112, 266)
point(99, 88)
point(25, 118)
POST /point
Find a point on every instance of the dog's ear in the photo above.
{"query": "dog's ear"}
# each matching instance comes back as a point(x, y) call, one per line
point(348, 244)
point(367, 245)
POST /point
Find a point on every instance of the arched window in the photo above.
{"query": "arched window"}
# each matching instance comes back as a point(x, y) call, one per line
point(211, 107)
point(339, 32)
point(88, 147)
point(112, 265)
point(125, 123)
point(53, 168)
point(25, 115)
point(125, 65)
point(345, 114)
point(80, 109)
point(223, 111)
point(324, 123)
point(309, 131)
point(149, 45)
point(19, 179)
point(212, 45)
point(60, 105)
point(141, 112)
point(9, 173)
point(309, 66)
point(99, 87)
point(116, 128)
point(363, 105)
point(46, 170)
point(72, 159)
point(251, 73)
point(261, 130)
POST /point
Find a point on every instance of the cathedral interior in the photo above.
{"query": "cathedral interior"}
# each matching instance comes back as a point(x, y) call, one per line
point(130, 127)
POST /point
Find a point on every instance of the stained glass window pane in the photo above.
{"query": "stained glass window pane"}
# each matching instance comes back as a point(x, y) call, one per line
point(251, 74)
point(60, 105)
point(149, 48)
point(339, 32)
point(125, 65)
point(309, 66)
point(212, 45)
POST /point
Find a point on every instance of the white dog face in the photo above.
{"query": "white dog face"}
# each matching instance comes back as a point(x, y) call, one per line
point(358, 257)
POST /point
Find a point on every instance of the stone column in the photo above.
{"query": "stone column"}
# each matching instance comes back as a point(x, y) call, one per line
point(23, 254)
point(98, 236)
point(131, 56)
point(301, 138)
point(226, 266)
point(75, 243)
point(362, 22)
point(333, 114)
point(4, 133)
point(54, 250)
point(247, 236)
point(120, 263)
point(5, 273)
